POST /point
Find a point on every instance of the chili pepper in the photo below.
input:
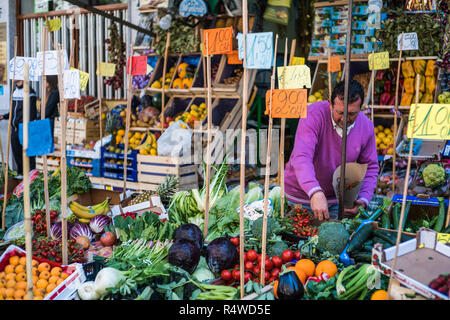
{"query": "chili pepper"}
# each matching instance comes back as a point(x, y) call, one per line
point(387, 86)
point(384, 98)
point(380, 74)
point(391, 101)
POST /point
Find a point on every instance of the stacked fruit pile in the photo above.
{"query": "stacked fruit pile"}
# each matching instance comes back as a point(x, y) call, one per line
point(384, 138)
point(157, 84)
point(197, 113)
point(316, 96)
point(86, 213)
point(185, 78)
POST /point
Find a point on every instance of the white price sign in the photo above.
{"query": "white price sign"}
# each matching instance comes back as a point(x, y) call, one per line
point(17, 67)
point(410, 41)
point(71, 82)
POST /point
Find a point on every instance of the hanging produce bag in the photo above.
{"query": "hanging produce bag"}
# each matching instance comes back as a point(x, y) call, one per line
point(354, 176)
point(278, 11)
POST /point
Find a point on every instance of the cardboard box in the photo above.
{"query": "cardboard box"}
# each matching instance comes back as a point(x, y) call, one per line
point(95, 196)
point(419, 261)
point(154, 204)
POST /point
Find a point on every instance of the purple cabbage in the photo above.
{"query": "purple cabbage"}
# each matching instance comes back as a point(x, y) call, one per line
point(56, 230)
point(81, 229)
point(99, 222)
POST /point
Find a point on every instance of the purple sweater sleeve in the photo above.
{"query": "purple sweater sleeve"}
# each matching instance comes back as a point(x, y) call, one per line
point(369, 156)
point(306, 139)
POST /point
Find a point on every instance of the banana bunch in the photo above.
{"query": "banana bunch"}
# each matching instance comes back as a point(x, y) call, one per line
point(86, 213)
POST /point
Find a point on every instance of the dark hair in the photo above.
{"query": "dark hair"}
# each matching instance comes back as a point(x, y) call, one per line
point(355, 91)
point(146, 101)
point(52, 82)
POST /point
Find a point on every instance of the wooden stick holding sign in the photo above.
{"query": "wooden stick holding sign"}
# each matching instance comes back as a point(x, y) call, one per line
point(26, 183)
point(372, 86)
point(395, 113)
point(268, 159)
point(100, 100)
point(127, 124)
point(76, 112)
point(405, 191)
point(243, 142)
point(8, 138)
point(63, 163)
point(163, 94)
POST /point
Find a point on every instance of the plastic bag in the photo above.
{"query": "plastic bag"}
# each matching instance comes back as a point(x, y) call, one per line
point(175, 141)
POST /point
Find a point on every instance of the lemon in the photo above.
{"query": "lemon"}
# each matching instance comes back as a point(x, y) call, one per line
point(154, 145)
point(383, 146)
point(380, 127)
point(381, 135)
point(317, 94)
point(312, 99)
point(153, 152)
point(387, 131)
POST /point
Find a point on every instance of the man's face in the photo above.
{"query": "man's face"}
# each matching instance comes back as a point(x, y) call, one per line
point(337, 111)
point(19, 83)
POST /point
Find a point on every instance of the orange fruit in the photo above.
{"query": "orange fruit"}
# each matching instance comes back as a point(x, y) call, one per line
point(38, 292)
point(11, 283)
point(19, 268)
point(35, 279)
point(14, 260)
point(275, 288)
point(64, 275)
point(38, 298)
point(326, 266)
point(307, 266)
point(44, 275)
point(9, 268)
point(44, 266)
point(2, 292)
point(34, 263)
point(53, 279)
point(300, 274)
point(50, 287)
point(10, 276)
point(2, 283)
point(34, 271)
point(59, 281)
point(9, 293)
point(379, 295)
point(18, 294)
point(21, 277)
point(56, 271)
point(41, 284)
point(23, 261)
point(21, 285)
point(2, 274)
point(25, 297)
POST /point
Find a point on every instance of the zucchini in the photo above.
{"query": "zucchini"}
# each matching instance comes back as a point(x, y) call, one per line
point(380, 234)
point(441, 216)
point(383, 242)
point(360, 237)
point(405, 215)
point(385, 220)
point(362, 257)
point(393, 236)
point(395, 215)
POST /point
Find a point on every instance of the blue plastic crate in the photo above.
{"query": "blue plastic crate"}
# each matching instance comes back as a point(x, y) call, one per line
point(95, 165)
point(132, 176)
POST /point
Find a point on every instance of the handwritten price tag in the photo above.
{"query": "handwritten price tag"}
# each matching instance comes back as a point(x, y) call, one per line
point(84, 78)
point(17, 73)
point(52, 62)
point(54, 24)
point(259, 47)
point(410, 41)
point(334, 64)
point(297, 61)
point(294, 77)
point(443, 237)
point(106, 69)
point(287, 103)
point(138, 65)
point(432, 122)
point(233, 58)
point(219, 40)
point(71, 82)
point(379, 60)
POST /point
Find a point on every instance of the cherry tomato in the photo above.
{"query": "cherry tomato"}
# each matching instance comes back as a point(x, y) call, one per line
point(235, 241)
point(277, 262)
point(249, 265)
point(272, 279)
point(297, 255)
point(257, 269)
point(275, 272)
point(268, 265)
point(235, 274)
point(260, 257)
point(247, 277)
point(267, 275)
point(252, 255)
point(287, 256)
point(226, 275)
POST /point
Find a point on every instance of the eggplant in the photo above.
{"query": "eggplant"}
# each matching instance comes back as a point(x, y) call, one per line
point(290, 287)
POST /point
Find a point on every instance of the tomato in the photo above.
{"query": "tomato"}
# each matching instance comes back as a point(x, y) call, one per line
point(249, 265)
point(235, 241)
point(297, 255)
point(260, 257)
point(245, 256)
point(226, 275)
point(275, 272)
point(272, 279)
point(247, 277)
point(252, 255)
point(277, 262)
point(268, 265)
point(236, 274)
point(267, 275)
point(257, 269)
point(287, 256)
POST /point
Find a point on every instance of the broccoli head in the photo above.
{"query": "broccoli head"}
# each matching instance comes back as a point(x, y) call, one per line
point(333, 237)
point(433, 175)
point(272, 227)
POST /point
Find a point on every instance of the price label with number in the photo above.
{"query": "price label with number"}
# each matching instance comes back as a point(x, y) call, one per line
point(138, 65)
point(379, 60)
point(54, 24)
point(294, 77)
point(84, 78)
point(259, 47)
point(16, 68)
point(233, 58)
point(410, 41)
point(432, 122)
point(71, 83)
point(52, 62)
point(219, 40)
point(287, 103)
point(334, 64)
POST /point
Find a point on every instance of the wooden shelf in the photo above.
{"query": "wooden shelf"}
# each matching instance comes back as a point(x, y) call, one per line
point(334, 3)
point(355, 58)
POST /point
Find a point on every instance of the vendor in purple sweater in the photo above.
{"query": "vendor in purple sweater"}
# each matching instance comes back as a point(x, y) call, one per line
point(318, 149)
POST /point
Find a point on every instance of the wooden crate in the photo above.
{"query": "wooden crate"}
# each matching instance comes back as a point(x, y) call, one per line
point(177, 104)
point(51, 164)
point(225, 71)
point(172, 61)
point(200, 85)
point(154, 169)
point(197, 73)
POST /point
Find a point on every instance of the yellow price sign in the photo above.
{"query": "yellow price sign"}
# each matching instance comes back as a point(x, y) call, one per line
point(297, 61)
point(84, 78)
point(432, 122)
point(443, 237)
point(379, 60)
point(294, 77)
point(106, 69)
point(54, 24)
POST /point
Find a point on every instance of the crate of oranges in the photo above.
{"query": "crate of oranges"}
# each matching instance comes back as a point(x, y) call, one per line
point(51, 281)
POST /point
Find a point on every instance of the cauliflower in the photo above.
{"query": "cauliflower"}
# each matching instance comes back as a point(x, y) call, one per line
point(433, 175)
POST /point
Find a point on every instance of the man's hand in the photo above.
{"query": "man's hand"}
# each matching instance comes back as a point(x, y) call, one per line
point(319, 206)
point(351, 213)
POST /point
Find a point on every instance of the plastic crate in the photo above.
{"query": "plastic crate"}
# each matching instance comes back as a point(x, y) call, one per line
point(95, 165)
point(92, 268)
point(131, 176)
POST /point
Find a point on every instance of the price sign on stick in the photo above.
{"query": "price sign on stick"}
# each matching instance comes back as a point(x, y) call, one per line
point(18, 72)
point(334, 64)
point(233, 58)
point(259, 47)
point(296, 61)
point(379, 60)
point(432, 122)
point(54, 24)
point(106, 69)
point(71, 83)
point(220, 40)
point(287, 103)
point(410, 41)
point(138, 65)
point(51, 62)
point(295, 77)
point(84, 78)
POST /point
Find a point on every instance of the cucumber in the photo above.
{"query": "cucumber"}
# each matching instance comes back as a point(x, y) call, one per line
point(441, 216)
point(396, 215)
point(385, 220)
point(383, 242)
point(360, 237)
point(405, 215)
point(380, 234)
point(362, 257)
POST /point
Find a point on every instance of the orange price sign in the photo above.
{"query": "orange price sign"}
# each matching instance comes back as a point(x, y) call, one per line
point(233, 58)
point(287, 103)
point(334, 64)
point(219, 40)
